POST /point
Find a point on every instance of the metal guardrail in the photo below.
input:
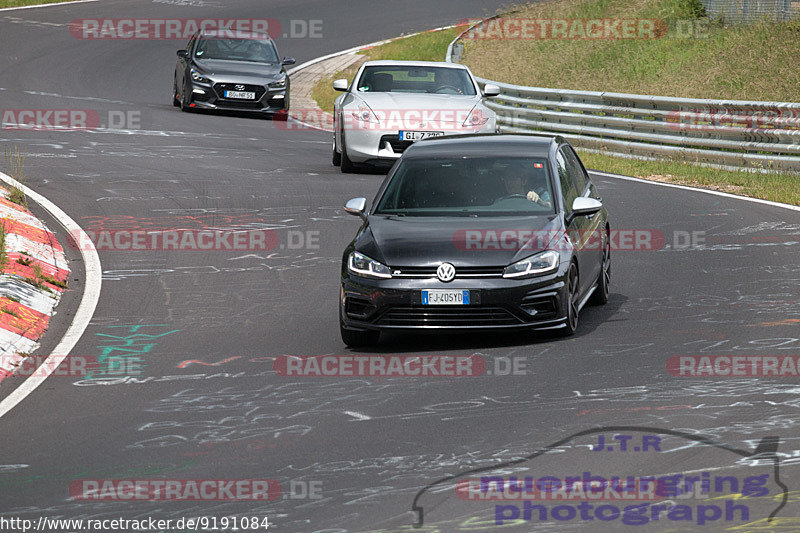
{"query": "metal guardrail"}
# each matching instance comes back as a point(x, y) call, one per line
point(744, 11)
point(729, 133)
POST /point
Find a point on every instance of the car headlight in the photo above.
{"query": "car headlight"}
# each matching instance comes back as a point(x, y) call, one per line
point(534, 265)
point(361, 265)
point(280, 84)
point(196, 76)
point(475, 118)
point(365, 114)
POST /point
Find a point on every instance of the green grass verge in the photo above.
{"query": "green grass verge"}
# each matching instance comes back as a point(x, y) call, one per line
point(323, 92)
point(747, 62)
point(783, 188)
point(20, 3)
point(14, 166)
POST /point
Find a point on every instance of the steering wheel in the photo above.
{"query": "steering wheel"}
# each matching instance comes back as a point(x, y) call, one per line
point(453, 87)
point(509, 196)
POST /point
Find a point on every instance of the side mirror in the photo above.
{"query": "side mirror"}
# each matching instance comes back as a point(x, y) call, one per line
point(356, 207)
point(183, 53)
point(341, 85)
point(583, 205)
point(288, 61)
point(491, 89)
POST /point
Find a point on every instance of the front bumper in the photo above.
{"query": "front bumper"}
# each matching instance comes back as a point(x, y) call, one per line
point(212, 96)
point(495, 303)
point(368, 145)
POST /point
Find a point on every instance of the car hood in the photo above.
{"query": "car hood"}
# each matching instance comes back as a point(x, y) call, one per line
point(239, 69)
point(420, 102)
point(463, 241)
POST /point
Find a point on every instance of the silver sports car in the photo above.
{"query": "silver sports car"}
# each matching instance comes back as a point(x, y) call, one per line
point(392, 104)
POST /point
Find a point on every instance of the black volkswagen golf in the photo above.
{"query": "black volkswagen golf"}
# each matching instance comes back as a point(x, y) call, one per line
point(477, 232)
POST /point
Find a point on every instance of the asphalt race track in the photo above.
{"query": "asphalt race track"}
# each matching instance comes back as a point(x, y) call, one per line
point(352, 454)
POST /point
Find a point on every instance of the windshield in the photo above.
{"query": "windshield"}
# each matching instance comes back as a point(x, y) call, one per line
point(253, 50)
point(469, 186)
point(411, 79)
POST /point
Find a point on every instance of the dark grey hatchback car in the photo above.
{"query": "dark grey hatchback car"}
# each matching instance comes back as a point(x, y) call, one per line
point(235, 71)
point(487, 231)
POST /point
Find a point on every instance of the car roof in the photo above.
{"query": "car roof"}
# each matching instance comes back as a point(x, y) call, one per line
point(234, 34)
point(392, 62)
point(506, 144)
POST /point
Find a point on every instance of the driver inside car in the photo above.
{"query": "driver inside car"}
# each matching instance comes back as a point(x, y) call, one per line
point(447, 78)
point(516, 182)
point(256, 52)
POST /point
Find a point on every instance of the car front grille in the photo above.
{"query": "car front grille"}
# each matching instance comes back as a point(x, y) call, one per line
point(447, 316)
point(394, 141)
point(461, 272)
point(220, 89)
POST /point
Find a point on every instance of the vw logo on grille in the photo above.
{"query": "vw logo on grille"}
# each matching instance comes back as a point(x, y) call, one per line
point(446, 272)
point(240, 87)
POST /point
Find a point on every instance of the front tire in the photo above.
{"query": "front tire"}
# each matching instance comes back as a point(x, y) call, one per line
point(336, 159)
point(355, 338)
point(360, 339)
point(184, 103)
point(600, 294)
point(347, 166)
point(175, 101)
point(571, 325)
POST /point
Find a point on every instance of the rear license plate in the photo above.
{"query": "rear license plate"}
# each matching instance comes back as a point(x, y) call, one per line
point(419, 135)
point(445, 297)
point(241, 95)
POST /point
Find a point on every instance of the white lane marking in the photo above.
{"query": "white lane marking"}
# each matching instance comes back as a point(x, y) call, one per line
point(311, 126)
point(357, 416)
point(12, 468)
point(696, 189)
point(48, 5)
point(88, 98)
point(91, 294)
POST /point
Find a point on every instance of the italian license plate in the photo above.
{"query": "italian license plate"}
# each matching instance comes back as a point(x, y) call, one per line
point(419, 135)
point(445, 297)
point(242, 95)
